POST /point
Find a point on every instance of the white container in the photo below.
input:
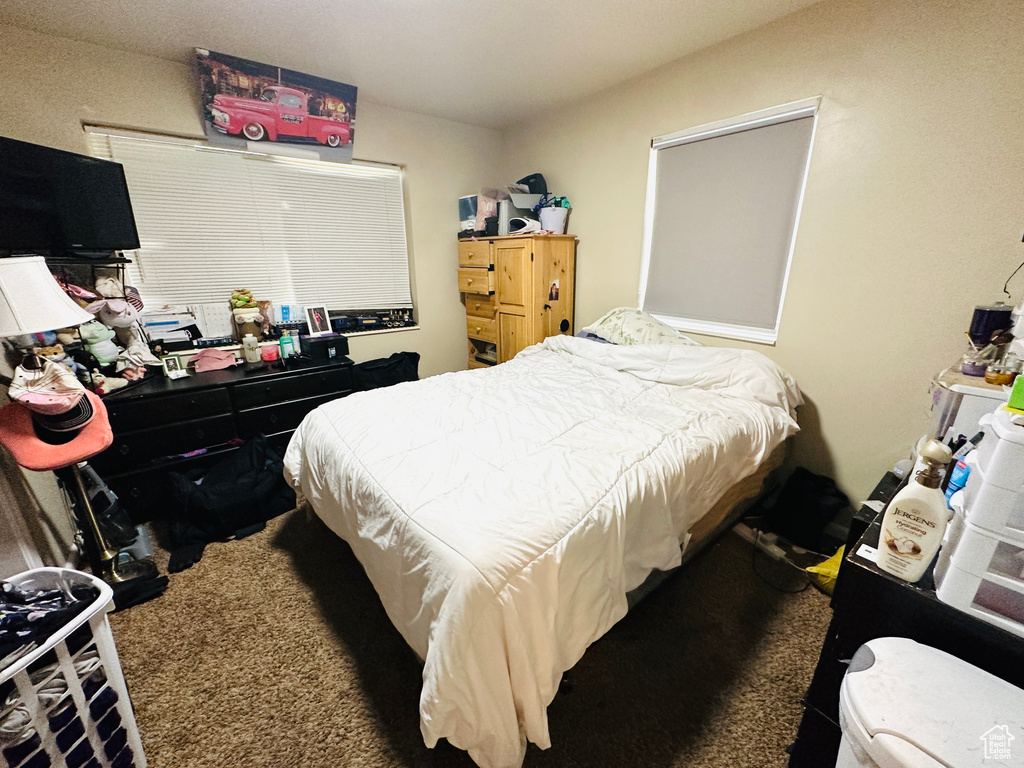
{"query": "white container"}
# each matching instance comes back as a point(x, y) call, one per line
point(990, 597)
point(993, 507)
point(68, 696)
point(906, 705)
point(981, 552)
point(1000, 454)
point(251, 348)
point(553, 219)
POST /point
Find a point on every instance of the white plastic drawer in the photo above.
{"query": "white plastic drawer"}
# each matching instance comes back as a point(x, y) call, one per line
point(992, 507)
point(981, 552)
point(987, 597)
point(1000, 454)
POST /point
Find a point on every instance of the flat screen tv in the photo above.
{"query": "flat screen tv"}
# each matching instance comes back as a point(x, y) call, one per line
point(62, 203)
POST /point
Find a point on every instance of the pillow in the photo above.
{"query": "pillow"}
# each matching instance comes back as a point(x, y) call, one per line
point(625, 325)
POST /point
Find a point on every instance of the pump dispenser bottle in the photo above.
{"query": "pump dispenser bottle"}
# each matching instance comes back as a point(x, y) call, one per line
point(916, 518)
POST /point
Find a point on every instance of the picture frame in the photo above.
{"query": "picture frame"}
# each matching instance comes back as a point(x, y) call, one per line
point(173, 367)
point(318, 320)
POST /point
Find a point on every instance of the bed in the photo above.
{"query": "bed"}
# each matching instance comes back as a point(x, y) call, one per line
point(506, 516)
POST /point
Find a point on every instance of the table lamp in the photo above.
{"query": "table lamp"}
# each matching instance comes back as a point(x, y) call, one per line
point(31, 301)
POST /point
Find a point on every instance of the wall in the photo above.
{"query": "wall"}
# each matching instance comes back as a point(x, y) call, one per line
point(53, 85)
point(912, 212)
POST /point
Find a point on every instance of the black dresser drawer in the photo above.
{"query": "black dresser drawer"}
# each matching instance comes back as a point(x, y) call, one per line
point(132, 449)
point(126, 415)
point(253, 394)
point(278, 418)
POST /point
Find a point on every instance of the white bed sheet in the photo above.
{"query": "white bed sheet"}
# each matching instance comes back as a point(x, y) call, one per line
point(503, 514)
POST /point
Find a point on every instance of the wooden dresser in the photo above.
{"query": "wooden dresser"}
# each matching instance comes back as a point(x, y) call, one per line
point(518, 290)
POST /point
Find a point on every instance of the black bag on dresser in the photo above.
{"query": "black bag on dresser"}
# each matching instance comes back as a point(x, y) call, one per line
point(235, 499)
point(385, 371)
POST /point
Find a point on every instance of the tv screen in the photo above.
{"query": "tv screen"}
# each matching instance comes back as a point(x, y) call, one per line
point(62, 202)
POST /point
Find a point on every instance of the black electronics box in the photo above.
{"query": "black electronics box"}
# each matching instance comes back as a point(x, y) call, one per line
point(326, 348)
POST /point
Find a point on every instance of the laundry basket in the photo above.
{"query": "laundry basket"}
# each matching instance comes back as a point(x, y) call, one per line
point(66, 704)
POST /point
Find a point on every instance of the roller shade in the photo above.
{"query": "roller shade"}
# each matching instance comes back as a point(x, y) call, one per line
point(294, 231)
point(723, 207)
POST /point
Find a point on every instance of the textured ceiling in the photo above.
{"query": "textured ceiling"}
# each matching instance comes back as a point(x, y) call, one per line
point(483, 63)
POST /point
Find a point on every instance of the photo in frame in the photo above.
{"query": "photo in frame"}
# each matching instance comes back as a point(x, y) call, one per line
point(173, 367)
point(318, 320)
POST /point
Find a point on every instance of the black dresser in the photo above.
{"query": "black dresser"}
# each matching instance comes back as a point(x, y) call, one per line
point(179, 425)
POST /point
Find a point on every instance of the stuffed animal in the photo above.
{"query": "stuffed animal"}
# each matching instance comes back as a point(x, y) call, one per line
point(56, 354)
point(97, 338)
point(242, 299)
point(248, 320)
point(104, 385)
point(67, 336)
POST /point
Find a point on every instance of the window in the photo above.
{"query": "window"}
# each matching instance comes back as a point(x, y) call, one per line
point(723, 204)
point(289, 100)
point(294, 231)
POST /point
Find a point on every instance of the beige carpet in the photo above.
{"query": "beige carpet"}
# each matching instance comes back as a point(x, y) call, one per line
point(275, 651)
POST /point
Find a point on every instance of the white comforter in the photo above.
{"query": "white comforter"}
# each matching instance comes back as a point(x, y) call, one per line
point(503, 514)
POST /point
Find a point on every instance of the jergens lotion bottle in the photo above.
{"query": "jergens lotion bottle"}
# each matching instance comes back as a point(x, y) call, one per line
point(916, 518)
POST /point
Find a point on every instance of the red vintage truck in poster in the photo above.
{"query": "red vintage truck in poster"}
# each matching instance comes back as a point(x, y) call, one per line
point(278, 113)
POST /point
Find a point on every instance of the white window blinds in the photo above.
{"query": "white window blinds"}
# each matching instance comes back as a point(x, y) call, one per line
point(723, 203)
point(293, 231)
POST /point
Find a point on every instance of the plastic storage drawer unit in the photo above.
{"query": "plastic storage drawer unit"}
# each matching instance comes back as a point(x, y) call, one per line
point(65, 704)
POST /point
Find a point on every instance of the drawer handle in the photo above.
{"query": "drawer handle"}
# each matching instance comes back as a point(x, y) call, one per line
point(125, 450)
point(478, 329)
point(136, 493)
point(469, 281)
point(200, 433)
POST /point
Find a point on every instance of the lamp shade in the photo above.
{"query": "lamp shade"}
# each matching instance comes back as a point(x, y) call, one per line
point(31, 300)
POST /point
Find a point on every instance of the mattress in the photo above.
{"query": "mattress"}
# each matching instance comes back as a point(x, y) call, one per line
point(504, 514)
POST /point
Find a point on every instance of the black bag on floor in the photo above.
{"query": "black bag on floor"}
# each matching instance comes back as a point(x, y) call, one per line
point(806, 504)
point(235, 499)
point(385, 371)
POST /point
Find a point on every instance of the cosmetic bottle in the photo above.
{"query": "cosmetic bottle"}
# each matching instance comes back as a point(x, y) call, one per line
point(287, 345)
point(915, 519)
point(251, 348)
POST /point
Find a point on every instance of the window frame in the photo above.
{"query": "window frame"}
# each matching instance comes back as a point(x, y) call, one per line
point(782, 113)
point(290, 154)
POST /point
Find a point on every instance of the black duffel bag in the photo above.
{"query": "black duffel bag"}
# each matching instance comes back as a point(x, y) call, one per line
point(385, 371)
point(235, 499)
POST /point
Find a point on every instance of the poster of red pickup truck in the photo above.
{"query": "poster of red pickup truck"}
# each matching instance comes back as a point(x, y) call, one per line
point(245, 102)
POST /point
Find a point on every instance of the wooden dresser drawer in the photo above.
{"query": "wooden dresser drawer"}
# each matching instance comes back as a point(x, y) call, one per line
point(130, 414)
point(256, 393)
point(481, 328)
point(474, 253)
point(280, 417)
point(132, 449)
point(481, 305)
point(476, 280)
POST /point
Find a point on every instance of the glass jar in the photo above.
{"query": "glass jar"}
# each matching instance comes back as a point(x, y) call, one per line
point(997, 373)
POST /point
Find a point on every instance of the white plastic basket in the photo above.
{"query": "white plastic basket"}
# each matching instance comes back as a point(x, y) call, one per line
point(66, 704)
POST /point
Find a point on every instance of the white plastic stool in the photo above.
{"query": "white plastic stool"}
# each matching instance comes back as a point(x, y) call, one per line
point(906, 705)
